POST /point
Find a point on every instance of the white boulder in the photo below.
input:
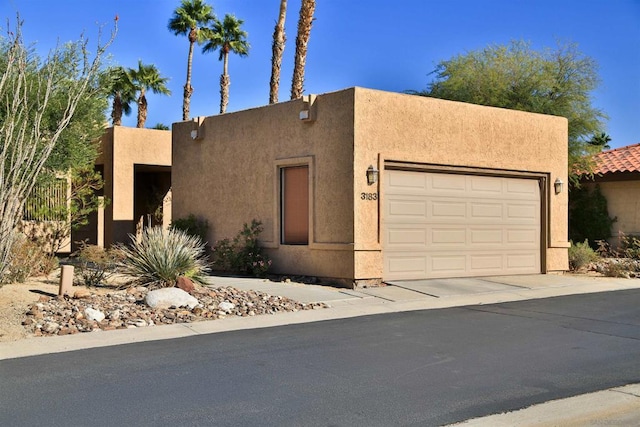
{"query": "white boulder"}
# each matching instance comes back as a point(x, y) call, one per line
point(93, 314)
point(170, 297)
point(226, 306)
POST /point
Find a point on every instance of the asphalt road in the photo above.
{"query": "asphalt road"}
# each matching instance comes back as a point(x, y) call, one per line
point(422, 368)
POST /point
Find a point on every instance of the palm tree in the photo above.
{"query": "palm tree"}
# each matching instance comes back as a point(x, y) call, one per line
point(122, 90)
point(277, 50)
point(304, 30)
point(601, 140)
point(228, 37)
point(188, 19)
point(147, 77)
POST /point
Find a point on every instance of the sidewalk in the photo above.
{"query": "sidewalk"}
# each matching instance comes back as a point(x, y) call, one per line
point(619, 406)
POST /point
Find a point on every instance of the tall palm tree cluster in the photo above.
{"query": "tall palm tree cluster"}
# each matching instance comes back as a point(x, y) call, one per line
point(196, 20)
point(131, 85)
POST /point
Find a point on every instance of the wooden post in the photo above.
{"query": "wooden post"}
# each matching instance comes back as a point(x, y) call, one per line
point(66, 280)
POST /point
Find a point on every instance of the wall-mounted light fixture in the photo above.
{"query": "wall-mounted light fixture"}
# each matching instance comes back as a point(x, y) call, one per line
point(557, 185)
point(308, 110)
point(372, 175)
point(198, 132)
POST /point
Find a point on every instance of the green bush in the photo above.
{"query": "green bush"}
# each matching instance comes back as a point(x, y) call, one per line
point(159, 257)
point(588, 215)
point(243, 254)
point(95, 265)
point(580, 255)
point(192, 225)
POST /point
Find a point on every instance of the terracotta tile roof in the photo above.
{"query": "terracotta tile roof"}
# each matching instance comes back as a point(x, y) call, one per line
point(623, 159)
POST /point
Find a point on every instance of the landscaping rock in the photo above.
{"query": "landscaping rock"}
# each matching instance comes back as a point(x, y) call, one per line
point(93, 314)
point(185, 284)
point(226, 306)
point(82, 293)
point(126, 309)
point(170, 297)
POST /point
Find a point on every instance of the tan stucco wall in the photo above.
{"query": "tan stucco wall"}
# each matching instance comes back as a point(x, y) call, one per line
point(623, 202)
point(407, 128)
point(228, 175)
point(121, 149)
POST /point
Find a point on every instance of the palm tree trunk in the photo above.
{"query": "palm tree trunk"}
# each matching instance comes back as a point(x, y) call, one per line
point(188, 90)
point(142, 110)
point(116, 110)
point(277, 50)
point(225, 81)
point(304, 30)
point(224, 92)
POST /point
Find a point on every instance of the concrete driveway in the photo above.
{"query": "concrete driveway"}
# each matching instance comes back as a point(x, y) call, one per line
point(465, 286)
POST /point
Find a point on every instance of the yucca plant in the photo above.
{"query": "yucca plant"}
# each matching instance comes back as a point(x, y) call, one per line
point(159, 257)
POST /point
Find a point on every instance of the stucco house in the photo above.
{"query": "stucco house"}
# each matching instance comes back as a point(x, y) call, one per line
point(135, 164)
point(617, 173)
point(364, 186)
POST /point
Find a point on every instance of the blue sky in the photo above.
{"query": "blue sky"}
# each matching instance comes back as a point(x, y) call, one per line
point(379, 44)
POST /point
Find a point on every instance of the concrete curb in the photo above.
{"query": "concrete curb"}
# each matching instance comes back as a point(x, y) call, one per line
point(619, 406)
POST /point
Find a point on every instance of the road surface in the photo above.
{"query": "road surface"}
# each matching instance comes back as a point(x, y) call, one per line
point(428, 367)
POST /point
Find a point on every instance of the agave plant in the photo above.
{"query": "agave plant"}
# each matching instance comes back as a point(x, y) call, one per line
point(160, 256)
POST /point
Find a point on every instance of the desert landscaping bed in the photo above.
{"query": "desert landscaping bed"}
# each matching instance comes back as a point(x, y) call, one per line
point(33, 309)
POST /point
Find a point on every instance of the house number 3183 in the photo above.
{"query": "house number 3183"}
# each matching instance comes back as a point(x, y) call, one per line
point(369, 196)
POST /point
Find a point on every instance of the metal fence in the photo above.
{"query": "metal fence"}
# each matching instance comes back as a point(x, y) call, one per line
point(48, 202)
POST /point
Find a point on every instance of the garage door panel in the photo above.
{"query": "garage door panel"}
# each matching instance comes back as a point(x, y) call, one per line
point(402, 208)
point(403, 238)
point(486, 264)
point(447, 184)
point(406, 267)
point(451, 225)
point(518, 212)
point(448, 264)
point(407, 182)
point(522, 187)
point(527, 236)
point(448, 236)
point(486, 186)
point(485, 236)
point(448, 209)
point(487, 211)
point(522, 261)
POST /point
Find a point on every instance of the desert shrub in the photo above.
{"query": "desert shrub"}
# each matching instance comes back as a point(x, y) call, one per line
point(95, 264)
point(580, 255)
point(243, 254)
point(159, 257)
point(588, 215)
point(615, 269)
point(192, 225)
point(630, 246)
point(28, 259)
point(604, 249)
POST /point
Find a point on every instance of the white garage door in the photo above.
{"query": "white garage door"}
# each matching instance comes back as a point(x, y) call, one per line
point(449, 225)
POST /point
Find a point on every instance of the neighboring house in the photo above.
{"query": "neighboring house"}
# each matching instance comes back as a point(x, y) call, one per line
point(617, 173)
point(136, 167)
point(461, 189)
